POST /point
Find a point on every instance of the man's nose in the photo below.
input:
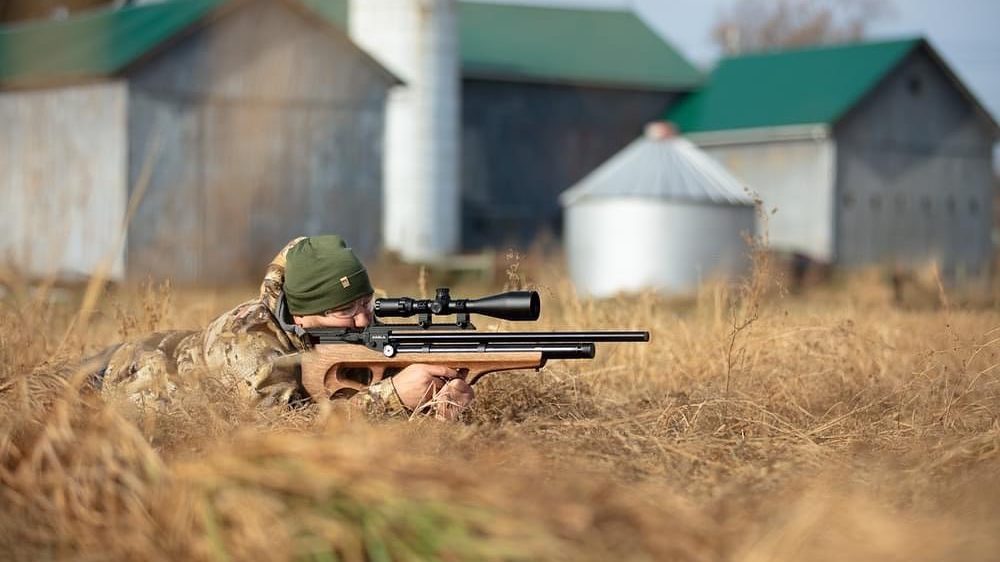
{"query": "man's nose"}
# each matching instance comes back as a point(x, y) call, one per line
point(362, 319)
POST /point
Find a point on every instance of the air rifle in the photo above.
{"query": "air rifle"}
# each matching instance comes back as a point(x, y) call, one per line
point(339, 352)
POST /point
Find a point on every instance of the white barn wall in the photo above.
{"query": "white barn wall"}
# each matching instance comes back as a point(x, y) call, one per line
point(270, 126)
point(62, 179)
point(633, 243)
point(796, 177)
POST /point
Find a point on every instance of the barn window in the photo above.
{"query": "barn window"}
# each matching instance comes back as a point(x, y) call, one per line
point(876, 202)
point(848, 200)
point(915, 85)
point(925, 204)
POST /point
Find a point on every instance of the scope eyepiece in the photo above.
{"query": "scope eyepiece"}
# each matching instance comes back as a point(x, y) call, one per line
point(514, 305)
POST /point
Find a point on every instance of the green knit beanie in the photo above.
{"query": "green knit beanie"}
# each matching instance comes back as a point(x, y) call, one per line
point(321, 273)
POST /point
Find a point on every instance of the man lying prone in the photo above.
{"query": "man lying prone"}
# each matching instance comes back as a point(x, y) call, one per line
point(324, 285)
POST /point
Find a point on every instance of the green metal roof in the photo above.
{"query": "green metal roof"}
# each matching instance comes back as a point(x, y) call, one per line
point(568, 45)
point(93, 44)
point(580, 46)
point(333, 11)
point(814, 85)
point(613, 48)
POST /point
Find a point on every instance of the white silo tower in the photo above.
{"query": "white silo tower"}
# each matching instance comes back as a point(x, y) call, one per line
point(418, 41)
point(659, 214)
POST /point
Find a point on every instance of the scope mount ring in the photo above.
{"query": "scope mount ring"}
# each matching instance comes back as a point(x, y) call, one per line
point(425, 319)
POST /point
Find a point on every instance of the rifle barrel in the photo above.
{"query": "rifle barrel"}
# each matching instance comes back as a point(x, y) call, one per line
point(475, 337)
point(550, 351)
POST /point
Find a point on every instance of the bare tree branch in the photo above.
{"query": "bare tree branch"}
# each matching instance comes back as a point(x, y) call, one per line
point(754, 25)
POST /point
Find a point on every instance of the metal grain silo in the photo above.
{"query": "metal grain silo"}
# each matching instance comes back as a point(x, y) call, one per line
point(659, 214)
point(418, 41)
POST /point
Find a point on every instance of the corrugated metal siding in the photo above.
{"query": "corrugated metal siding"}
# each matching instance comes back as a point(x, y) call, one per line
point(523, 144)
point(632, 243)
point(796, 177)
point(914, 175)
point(166, 235)
point(270, 128)
point(62, 162)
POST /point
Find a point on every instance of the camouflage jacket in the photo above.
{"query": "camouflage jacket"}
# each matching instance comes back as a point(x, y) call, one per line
point(243, 349)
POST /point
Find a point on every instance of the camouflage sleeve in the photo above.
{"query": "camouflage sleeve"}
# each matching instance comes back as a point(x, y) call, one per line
point(275, 383)
point(379, 401)
point(274, 277)
point(143, 370)
point(251, 363)
point(244, 350)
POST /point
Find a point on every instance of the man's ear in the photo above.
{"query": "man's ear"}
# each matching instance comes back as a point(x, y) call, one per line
point(286, 320)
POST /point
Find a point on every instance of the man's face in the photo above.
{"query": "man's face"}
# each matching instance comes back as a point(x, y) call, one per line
point(357, 314)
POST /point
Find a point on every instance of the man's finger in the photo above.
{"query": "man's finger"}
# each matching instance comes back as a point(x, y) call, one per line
point(458, 391)
point(459, 385)
point(453, 398)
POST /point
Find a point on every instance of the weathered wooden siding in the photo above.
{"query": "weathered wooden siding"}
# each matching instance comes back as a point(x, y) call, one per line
point(523, 144)
point(796, 178)
point(914, 175)
point(62, 180)
point(270, 127)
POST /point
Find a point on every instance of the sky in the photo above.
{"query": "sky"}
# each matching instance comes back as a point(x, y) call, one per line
point(965, 32)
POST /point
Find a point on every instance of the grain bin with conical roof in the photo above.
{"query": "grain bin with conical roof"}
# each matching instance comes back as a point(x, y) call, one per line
point(660, 214)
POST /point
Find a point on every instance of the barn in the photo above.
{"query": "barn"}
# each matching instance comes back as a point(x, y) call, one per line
point(216, 130)
point(872, 153)
point(547, 95)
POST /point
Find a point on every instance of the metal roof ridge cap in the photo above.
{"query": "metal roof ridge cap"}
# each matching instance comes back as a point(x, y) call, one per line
point(824, 47)
point(479, 73)
point(558, 7)
point(777, 133)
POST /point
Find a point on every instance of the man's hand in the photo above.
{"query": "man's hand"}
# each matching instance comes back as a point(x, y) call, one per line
point(452, 399)
point(419, 384)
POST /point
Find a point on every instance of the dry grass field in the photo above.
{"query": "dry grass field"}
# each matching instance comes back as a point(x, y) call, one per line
point(757, 425)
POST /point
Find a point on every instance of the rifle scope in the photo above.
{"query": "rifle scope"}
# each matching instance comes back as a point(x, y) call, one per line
point(515, 305)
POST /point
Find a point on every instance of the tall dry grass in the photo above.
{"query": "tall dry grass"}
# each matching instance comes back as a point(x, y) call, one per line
point(756, 425)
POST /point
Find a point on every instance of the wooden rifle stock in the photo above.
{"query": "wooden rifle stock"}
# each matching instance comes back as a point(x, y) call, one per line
point(324, 368)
